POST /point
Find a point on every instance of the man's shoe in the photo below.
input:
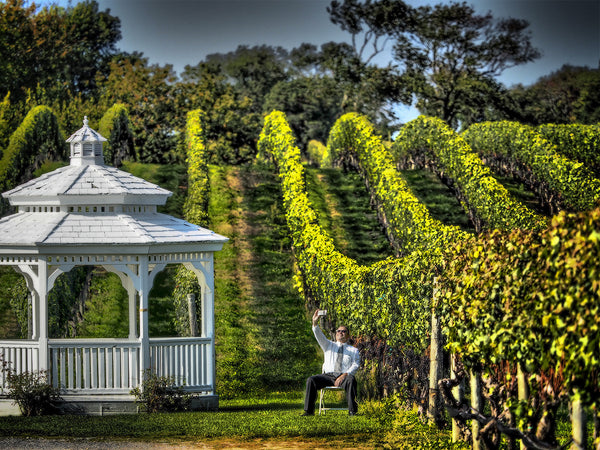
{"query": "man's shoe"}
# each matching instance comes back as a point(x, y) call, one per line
point(352, 413)
point(304, 414)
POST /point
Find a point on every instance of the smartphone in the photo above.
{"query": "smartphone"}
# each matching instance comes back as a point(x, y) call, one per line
point(322, 312)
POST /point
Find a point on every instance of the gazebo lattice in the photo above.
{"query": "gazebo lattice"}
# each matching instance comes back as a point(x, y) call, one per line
point(91, 214)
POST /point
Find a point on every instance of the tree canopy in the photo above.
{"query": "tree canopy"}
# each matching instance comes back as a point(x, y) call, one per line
point(447, 53)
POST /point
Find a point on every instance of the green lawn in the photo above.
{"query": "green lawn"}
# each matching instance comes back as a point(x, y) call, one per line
point(271, 419)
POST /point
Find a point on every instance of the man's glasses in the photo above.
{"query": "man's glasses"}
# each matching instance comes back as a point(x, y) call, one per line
point(341, 331)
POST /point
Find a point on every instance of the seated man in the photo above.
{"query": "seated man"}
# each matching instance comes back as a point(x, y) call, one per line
point(340, 365)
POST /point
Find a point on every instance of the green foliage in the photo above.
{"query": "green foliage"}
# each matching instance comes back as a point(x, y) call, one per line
point(318, 154)
point(429, 142)
point(196, 202)
point(61, 50)
point(106, 309)
point(528, 298)
point(387, 299)
point(407, 220)
point(560, 182)
point(195, 210)
point(570, 95)
point(160, 394)
point(172, 177)
point(116, 128)
point(65, 301)
point(147, 91)
point(37, 140)
point(30, 390)
point(575, 141)
point(14, 297)
point(4, 123)
point(311, 104)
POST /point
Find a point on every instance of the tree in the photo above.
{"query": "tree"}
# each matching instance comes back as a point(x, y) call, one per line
point(147, 91)
point(311, 105)
point(231, 121)
point(569, 95)
point(115, 127)
point(252, 70)
point(61, 50)
point(448, 54)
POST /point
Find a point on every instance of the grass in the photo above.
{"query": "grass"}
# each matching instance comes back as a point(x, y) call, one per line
point(344, 211)
point(439, 199)
point(263, 336)
point(273, 419)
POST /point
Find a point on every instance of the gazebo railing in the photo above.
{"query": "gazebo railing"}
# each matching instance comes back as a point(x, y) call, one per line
point(94, 366)
point(112, 366)
point(19, 355)
point(188, 360)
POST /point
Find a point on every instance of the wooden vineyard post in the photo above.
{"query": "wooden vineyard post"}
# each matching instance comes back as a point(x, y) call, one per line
point(191, 298)
point(476, 405)
point(458, 392)
point(578, 423)
point(435, 364)
point(523, 391)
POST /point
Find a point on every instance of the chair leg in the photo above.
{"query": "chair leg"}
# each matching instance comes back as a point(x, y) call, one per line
point(321, 392)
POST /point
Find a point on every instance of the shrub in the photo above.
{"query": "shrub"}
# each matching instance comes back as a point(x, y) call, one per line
point(31, 391)
point(160, 394)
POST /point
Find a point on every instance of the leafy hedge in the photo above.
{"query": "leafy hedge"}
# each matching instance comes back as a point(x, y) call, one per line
point(37, 139)
point(352, 140)
point(575, 141)
point(389, 299)
point(529, 298)
point(429, 142)
point(116, 128)
point(195, 210)
point(519, 149)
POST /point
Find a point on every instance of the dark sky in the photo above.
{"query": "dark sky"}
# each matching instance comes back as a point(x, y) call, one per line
point(182, 32)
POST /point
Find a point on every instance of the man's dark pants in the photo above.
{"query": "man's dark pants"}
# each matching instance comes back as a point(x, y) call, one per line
point(317, 382)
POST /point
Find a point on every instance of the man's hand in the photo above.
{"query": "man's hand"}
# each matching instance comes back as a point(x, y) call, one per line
point(316, 318)
point(339, 380)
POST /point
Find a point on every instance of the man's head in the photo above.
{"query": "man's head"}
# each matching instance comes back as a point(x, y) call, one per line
point(341, 334)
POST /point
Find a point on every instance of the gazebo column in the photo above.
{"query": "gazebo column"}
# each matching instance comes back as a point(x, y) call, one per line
point(42, 293)
point(205, 274)
point(143, 290)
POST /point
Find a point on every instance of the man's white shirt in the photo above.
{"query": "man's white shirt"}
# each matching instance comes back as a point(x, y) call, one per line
point(351, 356)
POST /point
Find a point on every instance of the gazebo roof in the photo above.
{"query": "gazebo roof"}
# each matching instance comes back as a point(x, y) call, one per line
point(88, 204)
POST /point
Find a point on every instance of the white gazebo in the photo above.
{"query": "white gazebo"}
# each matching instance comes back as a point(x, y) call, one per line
point(88, 213)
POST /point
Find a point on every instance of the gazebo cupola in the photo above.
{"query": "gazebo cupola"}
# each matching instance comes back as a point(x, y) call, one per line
point(86, 146)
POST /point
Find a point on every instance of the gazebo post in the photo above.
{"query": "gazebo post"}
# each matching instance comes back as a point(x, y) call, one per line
point(205, 274)
point(144, 337)
point(208, 313)
point(42, 291)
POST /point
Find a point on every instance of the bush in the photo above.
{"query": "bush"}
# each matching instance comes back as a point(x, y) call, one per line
point(31, 391)
point(159, 394)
